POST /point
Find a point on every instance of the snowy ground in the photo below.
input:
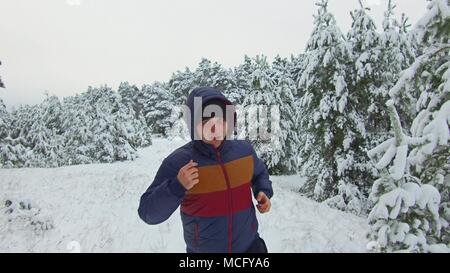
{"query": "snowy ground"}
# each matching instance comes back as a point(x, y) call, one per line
point(94, 209)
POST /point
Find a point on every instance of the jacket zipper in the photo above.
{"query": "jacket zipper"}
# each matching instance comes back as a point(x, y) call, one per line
point(196, 234)
point(230, 201)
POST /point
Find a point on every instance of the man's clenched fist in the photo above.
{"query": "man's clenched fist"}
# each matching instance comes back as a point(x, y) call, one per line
point(263, 202)
point(188, 175)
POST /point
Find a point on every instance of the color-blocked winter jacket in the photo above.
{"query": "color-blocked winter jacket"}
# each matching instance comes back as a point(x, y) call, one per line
point(218, 214)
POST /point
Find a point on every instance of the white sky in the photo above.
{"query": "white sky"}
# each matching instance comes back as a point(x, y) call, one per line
point(64, 46)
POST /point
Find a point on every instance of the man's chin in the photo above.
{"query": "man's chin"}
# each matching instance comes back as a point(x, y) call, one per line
point(214, 141)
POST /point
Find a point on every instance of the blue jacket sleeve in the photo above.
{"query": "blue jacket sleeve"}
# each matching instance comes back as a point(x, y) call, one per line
point(260, 180)
point(163, 196)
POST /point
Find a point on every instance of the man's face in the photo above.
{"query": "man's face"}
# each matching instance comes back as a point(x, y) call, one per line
point(213, 129)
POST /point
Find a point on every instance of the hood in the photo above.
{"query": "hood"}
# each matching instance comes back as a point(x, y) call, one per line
point(206, 93)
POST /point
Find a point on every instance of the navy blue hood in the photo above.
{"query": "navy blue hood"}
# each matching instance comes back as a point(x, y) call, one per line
point(207, 94)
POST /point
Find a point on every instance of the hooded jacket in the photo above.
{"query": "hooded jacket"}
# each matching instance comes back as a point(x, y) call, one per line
point(218, 213)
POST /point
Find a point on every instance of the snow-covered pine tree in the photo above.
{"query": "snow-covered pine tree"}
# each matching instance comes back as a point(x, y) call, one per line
point(45, 134)
point(296, 70)
point(125, 129)
point(101, 125)
point(78, 137)
point(112, 126)
point(333, 126)
point(285, 87)
point(137, 99)
point(296, 66)
point(157, 105)
point(4, 116)
point(397, 52)
point(180, 84)
point(241, 75)
point(4, 121)
point(215, 75)
point(430, 77)
point(178, 127)
point(130, 96)
point(406, 212)
point(95, 126)
point(260, 121)
point(14, 153)
point(363, 40)
point(100, 128)
point(4, 133)
point(143, 135)
point(428, 160)
point(16, 146)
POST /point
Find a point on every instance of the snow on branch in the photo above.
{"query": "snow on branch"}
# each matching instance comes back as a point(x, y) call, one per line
point(395, 149)
point(408, 74)
point(434, 9)
point(435, 133)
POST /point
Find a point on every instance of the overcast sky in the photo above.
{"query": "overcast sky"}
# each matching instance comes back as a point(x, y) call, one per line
point(64, 46)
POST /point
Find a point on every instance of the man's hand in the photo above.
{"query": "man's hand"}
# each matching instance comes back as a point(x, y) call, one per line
point(188, 175)
point(263, 202)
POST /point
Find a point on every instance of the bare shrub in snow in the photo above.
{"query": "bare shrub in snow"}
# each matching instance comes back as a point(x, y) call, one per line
point(24, 213)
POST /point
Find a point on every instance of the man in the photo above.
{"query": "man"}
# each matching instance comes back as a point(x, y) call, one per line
point(212, 178)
